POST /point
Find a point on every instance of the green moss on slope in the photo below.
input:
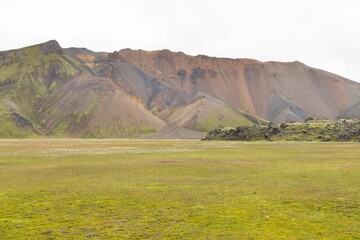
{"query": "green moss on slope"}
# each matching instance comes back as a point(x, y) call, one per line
point(227, 117)
point(28, 75)
point(118, 130)
point(10, 129)
point(214, 121)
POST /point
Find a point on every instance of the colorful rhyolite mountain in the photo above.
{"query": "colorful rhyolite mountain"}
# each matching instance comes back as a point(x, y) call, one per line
point(50, 91)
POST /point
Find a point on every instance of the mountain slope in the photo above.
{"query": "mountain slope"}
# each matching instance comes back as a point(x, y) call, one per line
point(221, 78)
point(48, 90)
point(317, 93)
point(205, 113)
point(96, 107)
point(250, 85)
point(86, 57)
point(26, 76)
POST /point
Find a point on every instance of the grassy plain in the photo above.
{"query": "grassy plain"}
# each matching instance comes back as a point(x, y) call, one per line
point(174, 189)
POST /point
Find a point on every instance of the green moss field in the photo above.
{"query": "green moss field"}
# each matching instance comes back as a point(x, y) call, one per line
point(178, 189)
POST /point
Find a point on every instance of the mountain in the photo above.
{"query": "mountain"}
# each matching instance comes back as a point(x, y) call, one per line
point(26, 77)
point(75, 92)
point(271, 90)
point(45, 91)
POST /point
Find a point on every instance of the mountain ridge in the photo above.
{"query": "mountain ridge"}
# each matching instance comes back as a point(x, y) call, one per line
point(141, 92)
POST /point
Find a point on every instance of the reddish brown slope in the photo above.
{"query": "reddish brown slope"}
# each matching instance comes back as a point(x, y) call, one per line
point(96, 107)
point(312, 91)
point(86, 57)
point(272, 90)
point(221, 78)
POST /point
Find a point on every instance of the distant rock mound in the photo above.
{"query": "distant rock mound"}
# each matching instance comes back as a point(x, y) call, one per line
point(309, 130)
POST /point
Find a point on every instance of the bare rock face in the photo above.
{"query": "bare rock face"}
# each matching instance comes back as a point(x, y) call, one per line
point(352, 111)
point(276, 91)
point(115, 56)
point(50, 47)
point(281, 109)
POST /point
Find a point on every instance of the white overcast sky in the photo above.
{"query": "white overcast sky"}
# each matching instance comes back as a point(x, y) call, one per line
point(321, 33)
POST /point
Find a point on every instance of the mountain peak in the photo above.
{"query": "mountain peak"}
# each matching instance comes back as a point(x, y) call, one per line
point(17, 55)
point(50, 47)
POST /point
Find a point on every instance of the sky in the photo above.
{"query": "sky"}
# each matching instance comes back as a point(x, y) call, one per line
point(323, 34)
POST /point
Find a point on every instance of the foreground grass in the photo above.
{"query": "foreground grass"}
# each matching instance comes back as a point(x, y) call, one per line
point(101, 189)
